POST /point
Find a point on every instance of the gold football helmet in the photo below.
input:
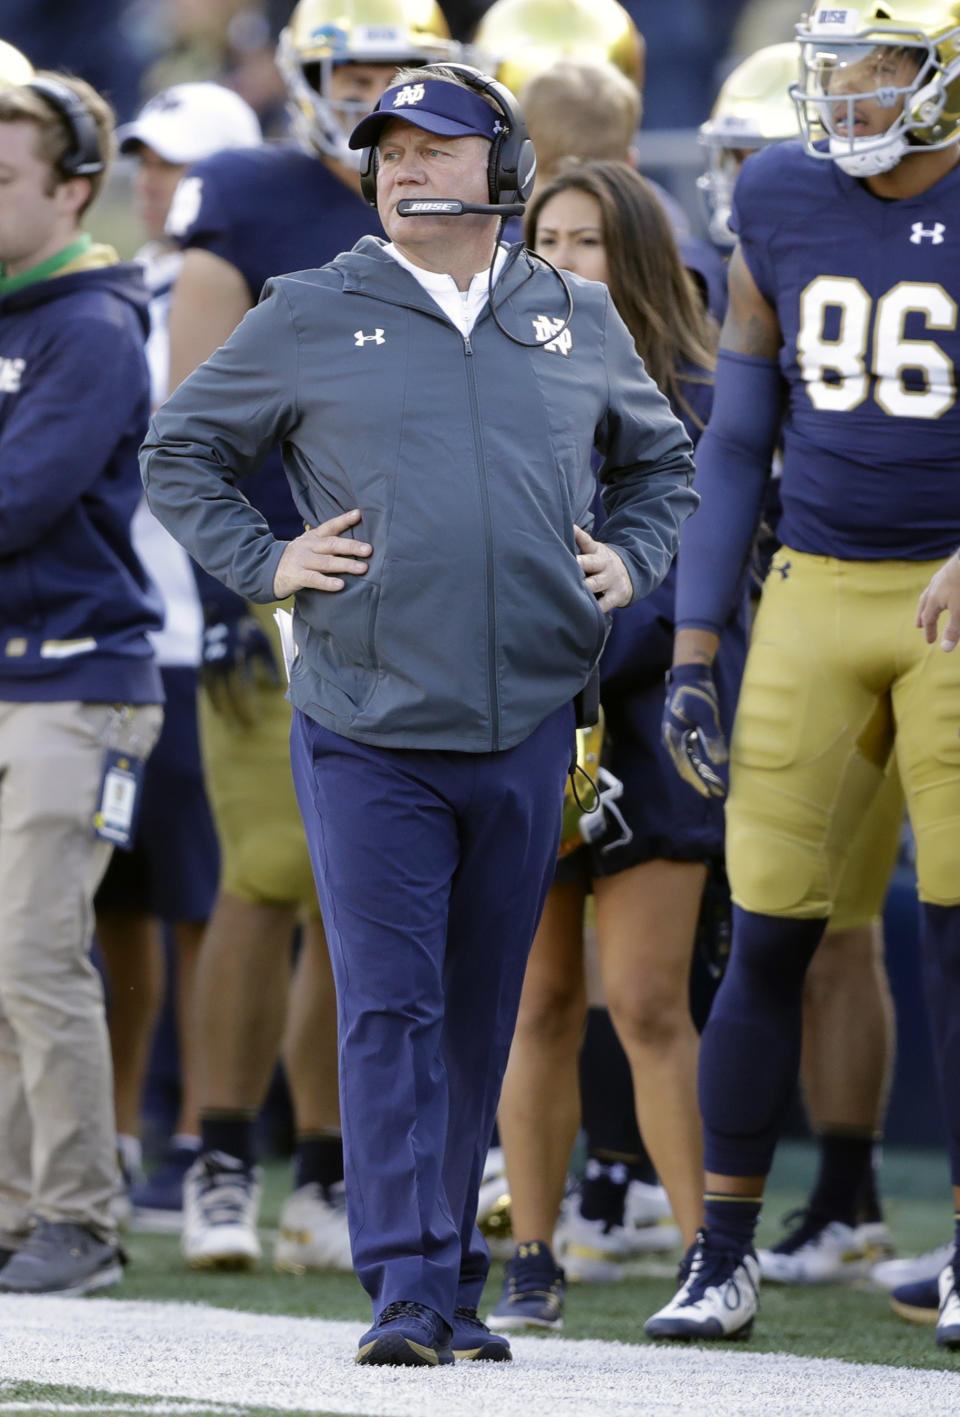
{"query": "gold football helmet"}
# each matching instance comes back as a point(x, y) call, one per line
point(849, 48)
point(517, 39)
point(324, 33)
point(753, 108)
point(15, 68)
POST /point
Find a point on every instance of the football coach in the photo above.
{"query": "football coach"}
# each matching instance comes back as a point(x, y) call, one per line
point(450, 606)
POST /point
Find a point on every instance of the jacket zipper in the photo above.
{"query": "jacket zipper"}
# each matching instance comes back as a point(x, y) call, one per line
point(492, 687)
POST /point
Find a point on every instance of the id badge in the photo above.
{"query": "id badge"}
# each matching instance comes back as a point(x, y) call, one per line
point(119, 798)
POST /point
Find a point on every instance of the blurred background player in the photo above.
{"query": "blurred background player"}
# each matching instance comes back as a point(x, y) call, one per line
point(242, 217)
point(171, 874)
point(536, 50)
point(604, 222)
point(847, 1058)
point(79, 690)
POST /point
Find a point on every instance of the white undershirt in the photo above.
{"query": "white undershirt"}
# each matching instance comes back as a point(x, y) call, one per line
point(462, 307)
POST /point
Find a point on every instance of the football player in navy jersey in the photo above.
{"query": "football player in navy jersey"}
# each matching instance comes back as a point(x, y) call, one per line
point(845, 286)
point(243, 217)
point(840, 1233)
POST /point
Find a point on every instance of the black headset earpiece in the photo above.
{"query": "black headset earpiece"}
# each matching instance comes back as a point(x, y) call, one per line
point(512, 166)
point(83, 158)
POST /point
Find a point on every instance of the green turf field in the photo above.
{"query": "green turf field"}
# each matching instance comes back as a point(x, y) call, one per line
point(822, 1321)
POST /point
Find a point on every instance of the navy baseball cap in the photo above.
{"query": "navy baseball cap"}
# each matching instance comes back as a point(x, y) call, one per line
point(439, 106)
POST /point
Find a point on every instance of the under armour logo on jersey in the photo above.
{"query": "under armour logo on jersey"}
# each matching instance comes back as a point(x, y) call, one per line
point(544, 327)
point(361, 338)
point(919, 233)
point(409, 94)
point(11, 373)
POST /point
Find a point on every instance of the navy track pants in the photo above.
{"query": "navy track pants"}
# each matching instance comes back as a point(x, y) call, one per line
point(431, 869)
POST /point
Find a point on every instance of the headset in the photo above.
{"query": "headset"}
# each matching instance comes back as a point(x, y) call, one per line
point(511, 172)
point(512, 165)
point(83, 158)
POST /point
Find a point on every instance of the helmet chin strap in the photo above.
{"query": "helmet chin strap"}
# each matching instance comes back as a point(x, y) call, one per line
point(868, 157)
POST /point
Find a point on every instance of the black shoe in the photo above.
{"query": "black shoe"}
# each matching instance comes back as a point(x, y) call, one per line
point(407, 1335)
point(473, 1342)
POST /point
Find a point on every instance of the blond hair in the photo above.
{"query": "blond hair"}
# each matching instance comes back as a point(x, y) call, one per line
point(22, 104)
point(580, 112)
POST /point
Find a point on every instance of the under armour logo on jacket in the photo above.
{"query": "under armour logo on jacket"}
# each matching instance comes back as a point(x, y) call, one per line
point(11, 372)
point(409, 94)
point(919, 233)
point(361, 338)
point(544, 327)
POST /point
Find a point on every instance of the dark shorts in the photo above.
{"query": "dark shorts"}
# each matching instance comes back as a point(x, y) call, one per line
point(173, 869)
point(670, 821)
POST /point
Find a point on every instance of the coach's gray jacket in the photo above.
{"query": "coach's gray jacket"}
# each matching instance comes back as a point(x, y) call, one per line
point(470, 461)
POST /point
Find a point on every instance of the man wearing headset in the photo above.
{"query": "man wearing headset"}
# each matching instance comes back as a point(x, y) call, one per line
point(79, 690)
point(439, 452)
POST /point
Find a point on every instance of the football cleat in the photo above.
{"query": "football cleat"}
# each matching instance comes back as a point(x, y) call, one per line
point(918, 1302)
point(912, 1269)
point(611, 1220)
point(948, 1319)
point(717, 1297)
point(648, 1215)
point(876, 1241)
point(221, 1200)
point(473, 1342)
point(816, 1251)
point(533, 1292)
point(407, 1335)
point(313, 1233)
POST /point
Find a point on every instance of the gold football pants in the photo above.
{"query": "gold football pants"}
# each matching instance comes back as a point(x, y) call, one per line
point(837, 678)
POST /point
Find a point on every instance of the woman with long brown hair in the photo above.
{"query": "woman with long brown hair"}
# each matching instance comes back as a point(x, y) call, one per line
point(602, 221)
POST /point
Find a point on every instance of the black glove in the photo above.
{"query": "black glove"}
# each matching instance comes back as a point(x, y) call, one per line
point(691, 728)
point(238, 659)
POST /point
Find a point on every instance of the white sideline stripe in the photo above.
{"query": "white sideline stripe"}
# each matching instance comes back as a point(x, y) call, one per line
point(165, 1409)
point(230, 1359)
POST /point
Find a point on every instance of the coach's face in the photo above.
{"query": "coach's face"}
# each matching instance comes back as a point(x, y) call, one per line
point(415, 163)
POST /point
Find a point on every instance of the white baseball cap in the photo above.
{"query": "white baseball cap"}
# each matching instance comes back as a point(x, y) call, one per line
point(188, 122)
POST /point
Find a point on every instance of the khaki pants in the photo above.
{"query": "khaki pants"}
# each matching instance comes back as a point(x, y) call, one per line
point(57, 1134)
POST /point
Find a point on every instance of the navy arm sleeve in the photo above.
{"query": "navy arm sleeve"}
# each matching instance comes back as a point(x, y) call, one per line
point(733, 464)
point(215, 430)
point(648, 464)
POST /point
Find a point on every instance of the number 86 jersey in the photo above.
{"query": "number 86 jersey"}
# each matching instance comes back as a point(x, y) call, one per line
point(867, 293)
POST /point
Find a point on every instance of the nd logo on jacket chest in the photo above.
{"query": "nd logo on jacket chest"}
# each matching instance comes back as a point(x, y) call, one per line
point(544, 326)
point(11, 373)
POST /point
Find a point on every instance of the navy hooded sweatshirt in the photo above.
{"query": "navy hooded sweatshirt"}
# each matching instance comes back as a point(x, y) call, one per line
point(75, 603)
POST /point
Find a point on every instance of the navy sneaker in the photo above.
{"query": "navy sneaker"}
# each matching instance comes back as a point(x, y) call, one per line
point(533, 1291)
point(407, 1335)
point(158, 1201)
point(473, 1342)
point(918, 1303)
